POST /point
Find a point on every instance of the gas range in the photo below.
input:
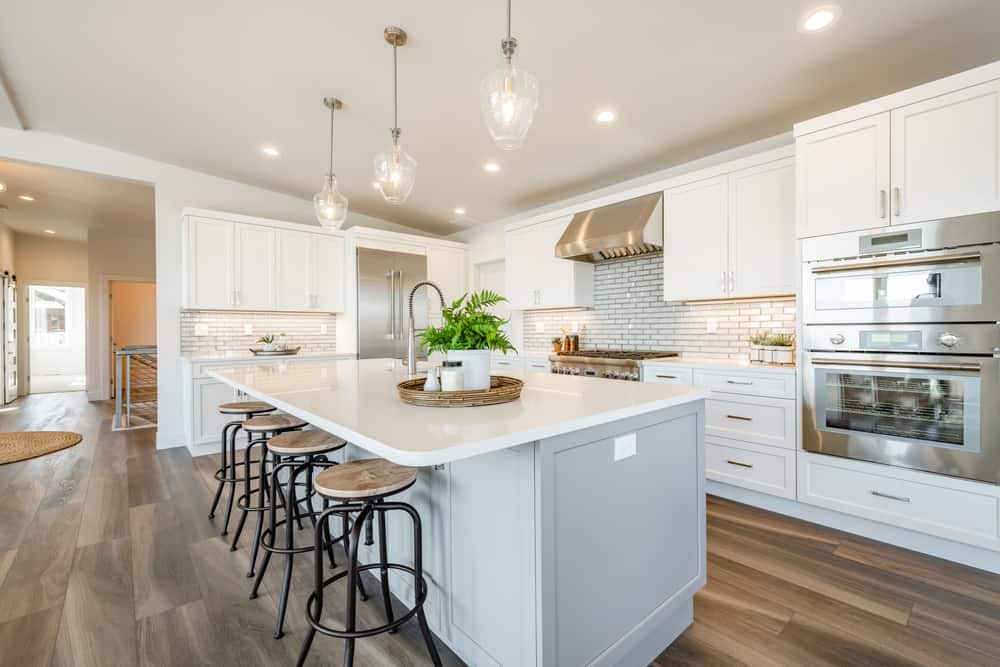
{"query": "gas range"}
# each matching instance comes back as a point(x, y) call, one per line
point(613, 364)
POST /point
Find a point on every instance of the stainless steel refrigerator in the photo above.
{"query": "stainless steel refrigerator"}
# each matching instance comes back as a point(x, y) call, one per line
point(8, 340)
point(385, 280)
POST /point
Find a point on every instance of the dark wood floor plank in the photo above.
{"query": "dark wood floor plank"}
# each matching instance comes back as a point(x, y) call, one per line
point(162, 570)
point(98, 624)
point(180, 636)
point(963, 625)
point(146, 482)
point(781, 527)
point(38, 577)
point(687, 651)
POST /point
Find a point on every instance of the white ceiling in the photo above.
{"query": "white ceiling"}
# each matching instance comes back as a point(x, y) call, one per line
point(71, 203)
point(204, 84)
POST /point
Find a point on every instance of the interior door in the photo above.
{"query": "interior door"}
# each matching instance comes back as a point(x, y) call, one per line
point(946, 155)
point(842, 177)
point(762, 257)
point(695, 221)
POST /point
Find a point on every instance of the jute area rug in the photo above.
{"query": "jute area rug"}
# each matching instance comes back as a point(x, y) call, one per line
point(21, 445)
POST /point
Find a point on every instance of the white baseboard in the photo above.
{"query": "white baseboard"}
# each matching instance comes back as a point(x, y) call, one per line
point(966, 554)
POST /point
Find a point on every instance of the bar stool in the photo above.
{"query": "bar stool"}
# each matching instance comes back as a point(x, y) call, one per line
point(227, 472)
point(259, 429)
point(297, 452)
point(362, 487)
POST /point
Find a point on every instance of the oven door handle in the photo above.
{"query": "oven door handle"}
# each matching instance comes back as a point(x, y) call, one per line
point(909, 365)
point(893, 263)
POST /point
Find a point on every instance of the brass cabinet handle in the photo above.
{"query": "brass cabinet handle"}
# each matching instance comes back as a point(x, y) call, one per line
point(740, 418)
point(902, 499)
point(742, 465)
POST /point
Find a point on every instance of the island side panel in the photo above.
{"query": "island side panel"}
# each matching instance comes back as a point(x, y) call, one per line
point(622, 543)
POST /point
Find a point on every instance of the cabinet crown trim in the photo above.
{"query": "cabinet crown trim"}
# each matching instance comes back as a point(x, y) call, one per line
point(238, 218)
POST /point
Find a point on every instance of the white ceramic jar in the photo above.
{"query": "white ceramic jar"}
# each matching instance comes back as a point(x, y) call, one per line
point(475, 366)
point(452, 376)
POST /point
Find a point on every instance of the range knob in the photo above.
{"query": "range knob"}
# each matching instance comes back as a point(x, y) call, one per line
point(837, 339)
point(948, 339)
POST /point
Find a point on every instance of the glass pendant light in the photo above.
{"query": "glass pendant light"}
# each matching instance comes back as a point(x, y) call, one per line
point(509, 97)
point(395, 169)
point(329, 204)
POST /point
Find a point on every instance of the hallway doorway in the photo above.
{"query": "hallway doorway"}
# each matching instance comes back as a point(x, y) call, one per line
point(57, 339)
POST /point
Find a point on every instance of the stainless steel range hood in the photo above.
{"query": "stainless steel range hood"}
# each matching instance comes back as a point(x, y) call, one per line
point(625, 229)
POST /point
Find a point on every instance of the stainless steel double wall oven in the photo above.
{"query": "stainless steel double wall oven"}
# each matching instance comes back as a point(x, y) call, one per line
point(901, 346)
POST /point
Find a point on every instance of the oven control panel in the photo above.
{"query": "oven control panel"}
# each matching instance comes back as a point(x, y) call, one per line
point(979, 339)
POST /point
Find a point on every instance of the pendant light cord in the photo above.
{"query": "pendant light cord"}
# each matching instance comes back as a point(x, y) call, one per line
point(395, 94)
point(508, 20)
point(333, 110)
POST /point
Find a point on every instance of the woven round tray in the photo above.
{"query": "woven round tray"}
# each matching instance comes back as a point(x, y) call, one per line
point(502, 389)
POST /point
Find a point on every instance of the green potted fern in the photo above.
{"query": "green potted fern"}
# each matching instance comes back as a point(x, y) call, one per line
point(469, 333)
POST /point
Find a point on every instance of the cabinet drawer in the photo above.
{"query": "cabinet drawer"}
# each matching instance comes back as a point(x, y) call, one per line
point(757, 384)
point(941, 506)
point(501, 363)
point(752, 467)
point(666, 375)
point(764, 421)
point(537, 366)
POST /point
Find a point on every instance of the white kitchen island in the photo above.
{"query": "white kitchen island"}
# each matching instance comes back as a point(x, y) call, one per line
point(566, 528)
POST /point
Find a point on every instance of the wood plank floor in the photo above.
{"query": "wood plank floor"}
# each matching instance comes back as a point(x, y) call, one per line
point(107, 558)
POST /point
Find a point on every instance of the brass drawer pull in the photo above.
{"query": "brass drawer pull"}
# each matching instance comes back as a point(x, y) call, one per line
point(902, 499)
point(742, 465)
point(740, 418)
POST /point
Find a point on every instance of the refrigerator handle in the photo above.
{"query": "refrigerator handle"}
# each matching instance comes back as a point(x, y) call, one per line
point(391, 275)
point(402, 298)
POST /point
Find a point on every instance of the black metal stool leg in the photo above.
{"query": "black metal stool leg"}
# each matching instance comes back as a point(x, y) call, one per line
point(352, 578)
point(246, 493)
point(272, 513)
point(223, 468)
point(286, 582)
point(383, 555)
point(421, 584)
point(232, 485)
point(262, 496)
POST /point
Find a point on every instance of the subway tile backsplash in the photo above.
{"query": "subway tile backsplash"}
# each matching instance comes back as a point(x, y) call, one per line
point(225, 331)
point(629, 314)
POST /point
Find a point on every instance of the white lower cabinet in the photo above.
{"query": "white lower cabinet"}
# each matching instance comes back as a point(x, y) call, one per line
point(209, 394)
point(757, 419)
point(947, 507)
point(755, 467)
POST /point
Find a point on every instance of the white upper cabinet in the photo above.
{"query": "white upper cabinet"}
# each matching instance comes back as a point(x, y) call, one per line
point(295, 274)
point(695, 251)
point(208, 264)
point(233, 262)
point(925, 153)
point(762, 258)
point(446, 269)
point(946, 155)
point(254, 267)
point(328, 274)
point(536, 278)
point(843, 177)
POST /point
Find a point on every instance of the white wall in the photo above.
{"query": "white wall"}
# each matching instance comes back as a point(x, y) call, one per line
point(175, 188)
point(7, 242)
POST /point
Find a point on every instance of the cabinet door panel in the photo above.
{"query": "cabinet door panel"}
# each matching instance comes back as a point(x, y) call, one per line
point(762, 257)
point(210, 263)
point(946, 155)
point(254, 261)
point(842, 177)
point(695, 220)
point(208, 396)
point(294, 270)
point(328, 275)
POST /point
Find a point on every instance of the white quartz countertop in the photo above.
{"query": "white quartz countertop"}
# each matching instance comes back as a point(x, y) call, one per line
point(358, 401)
point(733, 364)
point(247, 355)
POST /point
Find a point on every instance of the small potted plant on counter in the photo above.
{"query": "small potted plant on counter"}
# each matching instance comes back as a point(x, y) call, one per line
point(780, 349)
point(557, 344)
point(757, 343)
point(469, 334)
point(267, 341)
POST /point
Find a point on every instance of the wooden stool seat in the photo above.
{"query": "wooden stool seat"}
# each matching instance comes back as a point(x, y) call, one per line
point(296, 443)
point(272, 423)
point(366, 478)
point(245, 408)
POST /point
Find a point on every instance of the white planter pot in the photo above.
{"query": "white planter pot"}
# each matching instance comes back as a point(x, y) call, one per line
point(780, 355)
point(269, 347)
point(475, 367)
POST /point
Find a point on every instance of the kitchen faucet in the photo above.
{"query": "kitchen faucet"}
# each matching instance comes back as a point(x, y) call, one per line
point(411, 343)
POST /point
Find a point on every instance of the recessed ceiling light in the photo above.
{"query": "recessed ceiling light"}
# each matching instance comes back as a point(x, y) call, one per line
point(50, 231)
point(605, 116)
point(491, 167)
point(3, 187)
point(459, 211)
point(26, 198)
point(270, 151)
point(375, 185)
point(819, 18)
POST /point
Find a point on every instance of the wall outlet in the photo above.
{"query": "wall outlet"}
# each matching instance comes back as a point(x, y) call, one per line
point(201, 330)
point(247, 329)
point(574, 327)
point(713, 325)
point(323, 329)
point(625, 446)
point(539, 327)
